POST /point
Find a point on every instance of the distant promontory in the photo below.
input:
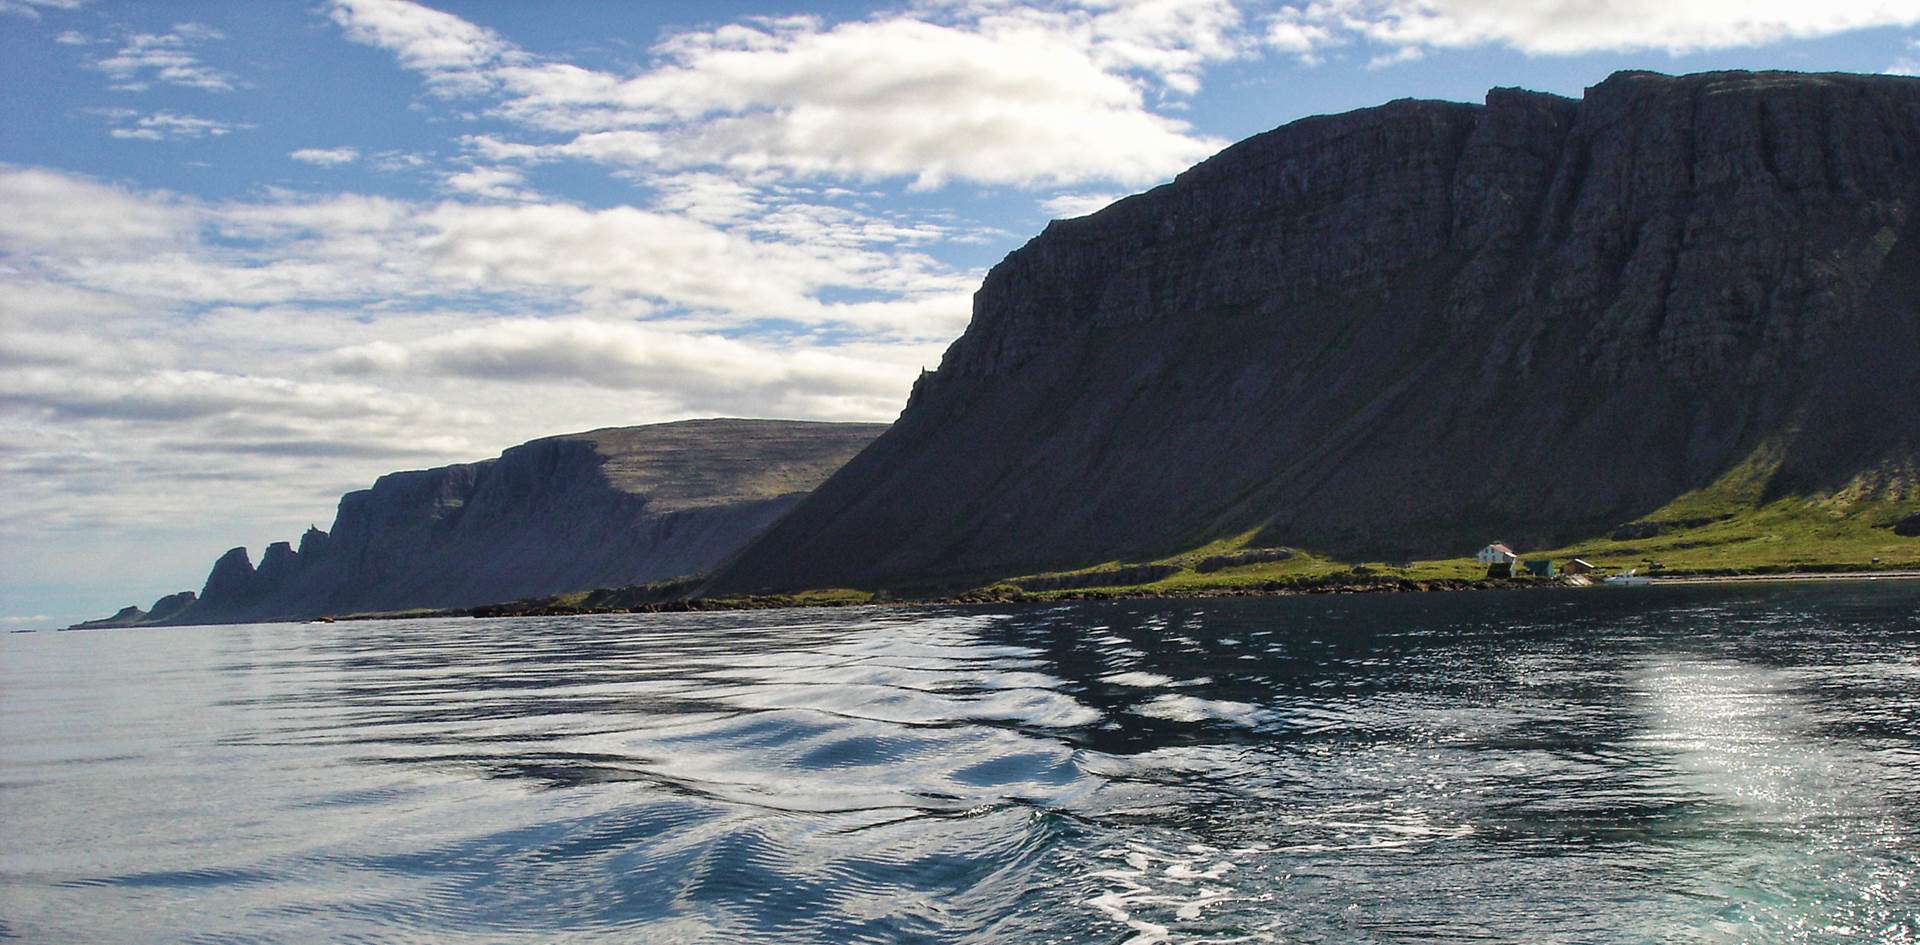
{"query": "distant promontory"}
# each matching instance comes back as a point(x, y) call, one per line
point(606, 508)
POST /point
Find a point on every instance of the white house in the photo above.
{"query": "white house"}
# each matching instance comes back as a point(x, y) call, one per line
point(1497, 553)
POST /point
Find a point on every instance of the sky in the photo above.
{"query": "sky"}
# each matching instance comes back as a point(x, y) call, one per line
point(255, 255)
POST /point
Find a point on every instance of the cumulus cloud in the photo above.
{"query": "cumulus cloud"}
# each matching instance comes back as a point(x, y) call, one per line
point(167, 58)
point(1571, 27)
point(450, 51)
point(1297, 31)
point(983, 92)
point(326, 157)
point(493, 183)
point(666, 258)
point(47, 209)
point(1172, 40)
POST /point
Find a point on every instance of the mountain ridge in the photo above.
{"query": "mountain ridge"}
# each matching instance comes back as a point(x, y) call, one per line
point(1402, 329)
point(602, 508)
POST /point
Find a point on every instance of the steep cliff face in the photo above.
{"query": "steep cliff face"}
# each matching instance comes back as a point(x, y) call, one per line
point(1405, 329)
point(606, 508)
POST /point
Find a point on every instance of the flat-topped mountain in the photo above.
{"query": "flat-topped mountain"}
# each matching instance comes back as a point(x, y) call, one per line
point(605, 508)
point(1404, 330)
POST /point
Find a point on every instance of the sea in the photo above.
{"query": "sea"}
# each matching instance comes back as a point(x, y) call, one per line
point(1731, 764)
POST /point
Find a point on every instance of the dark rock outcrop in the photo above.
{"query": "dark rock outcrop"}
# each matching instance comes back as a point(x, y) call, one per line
point(313, 543)
point(129, 616)
point(570, 513)
point(166, 607)
point(132, 616)
point(233, 580)
point(1399, 330)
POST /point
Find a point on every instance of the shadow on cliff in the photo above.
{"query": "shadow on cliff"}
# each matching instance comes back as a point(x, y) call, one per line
point(1406, 331)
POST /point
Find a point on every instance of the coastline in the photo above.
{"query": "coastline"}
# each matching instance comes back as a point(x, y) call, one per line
point(1788, 576)
point(1004, 594)
point(998, 596)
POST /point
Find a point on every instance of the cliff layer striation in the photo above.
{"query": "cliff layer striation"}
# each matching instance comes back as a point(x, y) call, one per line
point(1406, 330)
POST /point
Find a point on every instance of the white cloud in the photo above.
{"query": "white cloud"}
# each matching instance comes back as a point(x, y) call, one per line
point(326, 157)
point(394, 162)
point(168, 58)
point(1172, 40)
point(1396, 57)
point(168, 126)
point(1290, 31)
point(173, 395)
point(351, 249)
point(31, 8)
point(709, 197)
point(1068, 206)
point(1571, 27)
point(449, 50)
point(904, 98)
point(984, 92)
point(616, 250)
point(48, 210)
point(699, 371)
point(318, 338)
point(492, 183)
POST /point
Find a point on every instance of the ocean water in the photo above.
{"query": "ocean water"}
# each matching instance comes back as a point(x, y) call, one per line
point(1672, 765)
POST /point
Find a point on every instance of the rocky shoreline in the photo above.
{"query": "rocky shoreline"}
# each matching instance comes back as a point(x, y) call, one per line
point(1009, 594)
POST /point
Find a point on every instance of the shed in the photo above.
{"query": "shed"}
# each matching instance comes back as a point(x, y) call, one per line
point(1577, 566)
point(1540, 567)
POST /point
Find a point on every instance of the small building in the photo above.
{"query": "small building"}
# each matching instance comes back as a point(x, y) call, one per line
point(1540, 567)
point(1577, 566)
point(1497, 553)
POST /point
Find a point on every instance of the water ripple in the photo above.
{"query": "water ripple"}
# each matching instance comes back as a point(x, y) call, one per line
point(1695, 765)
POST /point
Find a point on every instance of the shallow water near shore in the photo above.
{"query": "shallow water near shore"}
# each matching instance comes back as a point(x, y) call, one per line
point(1700, 764)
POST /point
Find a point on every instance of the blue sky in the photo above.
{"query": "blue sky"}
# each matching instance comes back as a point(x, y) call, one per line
point(253, 255)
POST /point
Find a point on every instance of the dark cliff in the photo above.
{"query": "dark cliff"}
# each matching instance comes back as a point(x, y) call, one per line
point(132, 616)
point(606, 508)
point(1405, 329)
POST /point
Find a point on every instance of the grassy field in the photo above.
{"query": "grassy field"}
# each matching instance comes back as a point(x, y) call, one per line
point(1725, 529)
point(1717, 531)
point(1731, 527)
point(1728, 528)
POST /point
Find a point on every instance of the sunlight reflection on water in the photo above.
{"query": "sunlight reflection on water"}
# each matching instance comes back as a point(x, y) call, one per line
point(1689, 765)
